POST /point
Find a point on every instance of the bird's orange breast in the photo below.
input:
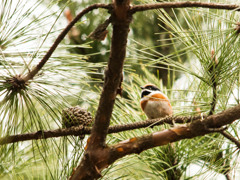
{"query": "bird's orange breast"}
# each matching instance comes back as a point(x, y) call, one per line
point(155, 97)
point(158, 97)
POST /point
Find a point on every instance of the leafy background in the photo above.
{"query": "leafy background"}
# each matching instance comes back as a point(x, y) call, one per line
point(172, 48)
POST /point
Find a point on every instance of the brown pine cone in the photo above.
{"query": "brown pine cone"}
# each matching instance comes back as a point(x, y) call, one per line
point(76, 116)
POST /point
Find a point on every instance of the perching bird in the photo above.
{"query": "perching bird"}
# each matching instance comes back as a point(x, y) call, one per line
point(154, 103)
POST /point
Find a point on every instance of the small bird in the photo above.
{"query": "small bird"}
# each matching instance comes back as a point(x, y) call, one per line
point(154, 103)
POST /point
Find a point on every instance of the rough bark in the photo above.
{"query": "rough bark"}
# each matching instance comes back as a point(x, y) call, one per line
point(92, 162)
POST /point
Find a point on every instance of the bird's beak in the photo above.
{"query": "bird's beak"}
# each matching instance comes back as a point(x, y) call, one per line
point(141, 87)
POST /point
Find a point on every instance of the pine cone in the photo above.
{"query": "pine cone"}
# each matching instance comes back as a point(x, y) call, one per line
point(76, 116)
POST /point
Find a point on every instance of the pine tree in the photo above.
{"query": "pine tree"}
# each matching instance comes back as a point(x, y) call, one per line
point(45, 81)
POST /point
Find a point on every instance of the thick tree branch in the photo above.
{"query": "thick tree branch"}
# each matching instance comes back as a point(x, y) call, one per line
point(121, 19)
point(113, 75)
point(107, 155)
point(184, 5)
point(77, 131)
point(61, 36)
point(139, 144)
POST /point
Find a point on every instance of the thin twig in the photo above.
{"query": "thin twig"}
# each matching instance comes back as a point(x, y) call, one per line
point(184, 5)
point(101, 31)
point(61, 36)
point(231, 138)
point(214, 99)
point(228, 177)
point(212, 71)
point(79, 130)
point(213, 105)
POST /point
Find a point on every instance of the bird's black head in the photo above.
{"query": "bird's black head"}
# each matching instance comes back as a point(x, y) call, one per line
point(147, 89)
point(150, 87)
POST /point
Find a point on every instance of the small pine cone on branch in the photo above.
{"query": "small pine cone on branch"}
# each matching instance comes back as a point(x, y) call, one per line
point(76, 116)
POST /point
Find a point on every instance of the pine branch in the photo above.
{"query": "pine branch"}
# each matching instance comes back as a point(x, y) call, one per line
point(119, 10)
point(101, 158)
point(80, 130)
point(196, 128)
point(113, 74)
point(61, 36)
point(212, 72)
point(186, 4)
point(121, 20)
point(213, 77)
